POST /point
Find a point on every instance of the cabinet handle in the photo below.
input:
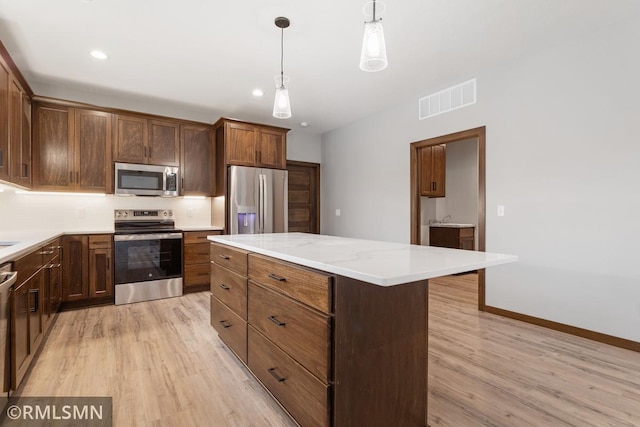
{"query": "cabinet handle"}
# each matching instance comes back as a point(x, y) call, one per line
point(256, 157)
point(25, 170)
point(144, 151)
point(224, 256)
point(70, 177)
point(278, 378)
point(225, 287)
point(78, 177)
point(150, 152)
point(45, 253)
point(276, 321)
point(225, 324)
point(278, 278)
point(1, 156)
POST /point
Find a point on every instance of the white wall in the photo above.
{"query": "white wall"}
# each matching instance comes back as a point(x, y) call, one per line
point(85, 213)
point(562, 157)
point(304, 146)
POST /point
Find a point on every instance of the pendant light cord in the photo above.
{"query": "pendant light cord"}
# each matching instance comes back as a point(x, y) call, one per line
point(374, 10)
point(282, 58)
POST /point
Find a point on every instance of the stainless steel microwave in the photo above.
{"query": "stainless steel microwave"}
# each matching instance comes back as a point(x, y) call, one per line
point(146, 180)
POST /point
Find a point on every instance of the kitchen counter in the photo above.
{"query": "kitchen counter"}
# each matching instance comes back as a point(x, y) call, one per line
point(379, 263)
point(28, 240)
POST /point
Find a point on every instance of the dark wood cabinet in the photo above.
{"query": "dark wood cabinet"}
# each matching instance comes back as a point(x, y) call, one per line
point(88, 269)
point(4, 122)
point(71, 149)
point(452, 237)
point(248, 144)
point(196, 260)
point(433, 171)
point(197, 163)
point(20, 333)
point(142, 140)
point(75, 251)
point(100, 266)
point(19, 134)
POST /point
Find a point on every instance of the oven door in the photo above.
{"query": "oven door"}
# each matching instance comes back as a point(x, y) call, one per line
point(147, 257)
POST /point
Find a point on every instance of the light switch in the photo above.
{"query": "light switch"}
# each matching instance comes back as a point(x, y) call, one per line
point(500, 210)
point(337, 212)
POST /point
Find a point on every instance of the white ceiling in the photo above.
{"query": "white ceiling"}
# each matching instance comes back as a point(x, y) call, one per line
point(211, 54)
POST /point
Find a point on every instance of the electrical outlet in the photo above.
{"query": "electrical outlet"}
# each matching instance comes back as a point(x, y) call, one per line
point(337, 212)
point(500, 210)
point(190, 213)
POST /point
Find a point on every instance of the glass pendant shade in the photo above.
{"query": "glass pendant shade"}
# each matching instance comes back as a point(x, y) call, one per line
point(374, 51)
point(281, 104)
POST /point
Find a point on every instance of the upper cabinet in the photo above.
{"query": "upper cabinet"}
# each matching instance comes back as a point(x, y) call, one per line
point(15, 123)
point(4, 122)
point(432, 171)
point(142, 140)
point(197, 160)
point(248, 144)
point(72, 149)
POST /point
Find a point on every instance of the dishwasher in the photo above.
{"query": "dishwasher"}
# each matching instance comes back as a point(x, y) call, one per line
point(7, 280)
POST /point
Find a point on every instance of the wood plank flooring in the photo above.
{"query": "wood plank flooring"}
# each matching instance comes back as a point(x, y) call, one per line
point(164, 366)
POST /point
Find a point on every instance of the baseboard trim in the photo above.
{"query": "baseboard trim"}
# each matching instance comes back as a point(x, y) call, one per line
point(561, 327)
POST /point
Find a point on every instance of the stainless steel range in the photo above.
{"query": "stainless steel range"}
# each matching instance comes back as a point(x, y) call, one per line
point(148, 256)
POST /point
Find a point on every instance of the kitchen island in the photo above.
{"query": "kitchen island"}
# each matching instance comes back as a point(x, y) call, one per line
point(335, 328)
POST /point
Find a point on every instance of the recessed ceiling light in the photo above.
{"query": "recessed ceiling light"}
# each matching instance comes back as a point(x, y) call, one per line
point(98, 54)
point(304, 124)
point(257, 92)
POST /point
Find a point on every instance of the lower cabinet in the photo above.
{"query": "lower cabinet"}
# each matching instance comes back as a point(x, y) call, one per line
point(196, 260)
point(333, 351)
point(452, 237)
point(31, 308)
point(88, 269)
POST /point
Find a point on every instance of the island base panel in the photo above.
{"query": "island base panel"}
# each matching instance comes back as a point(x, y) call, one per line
point(380, 354)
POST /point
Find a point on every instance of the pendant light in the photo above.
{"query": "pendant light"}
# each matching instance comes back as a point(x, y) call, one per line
point(281, 104)
point(374, 51)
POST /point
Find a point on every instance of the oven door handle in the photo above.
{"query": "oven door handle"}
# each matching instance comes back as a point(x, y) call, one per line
point(154, 236)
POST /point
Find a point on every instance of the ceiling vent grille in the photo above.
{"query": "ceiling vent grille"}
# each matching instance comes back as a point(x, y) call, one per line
point(446, 100)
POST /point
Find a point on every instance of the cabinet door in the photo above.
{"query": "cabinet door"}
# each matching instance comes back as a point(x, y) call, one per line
point(55, 297)
point(4, 122)
point(197, 162)
point(438, 167)
point(35, 312)
point(432, 171)
point(25, 149)
point(130, 139)
point(53, 148)
point(16, 166)
point(20, 333)
point(100, 273)
point(164, 143)
point(75, 254)
point(93, 150)
point(240, 144)
point(272, 153)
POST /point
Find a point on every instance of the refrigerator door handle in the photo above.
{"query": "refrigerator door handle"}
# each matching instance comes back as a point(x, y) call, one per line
point(261, 203)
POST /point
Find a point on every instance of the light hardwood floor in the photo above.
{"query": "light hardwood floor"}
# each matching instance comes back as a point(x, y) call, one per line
point(165, 366)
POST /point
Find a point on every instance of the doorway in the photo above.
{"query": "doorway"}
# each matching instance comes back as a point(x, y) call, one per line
point(304, 197)
point(479, 134)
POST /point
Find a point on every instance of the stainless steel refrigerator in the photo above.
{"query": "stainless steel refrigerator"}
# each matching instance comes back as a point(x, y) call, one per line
point(257, 200)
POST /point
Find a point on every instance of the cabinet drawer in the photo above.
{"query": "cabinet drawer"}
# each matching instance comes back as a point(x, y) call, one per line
point(230, 288)
point(310, 287)
point(231, 258)
point(28, 265)
point(306, 398)
point(196, 274)
point(50, 251)
point(301, 332)
point(197, 253)
point(466, 232)
point(231, 328)
point(199, 236)
point(100, 241)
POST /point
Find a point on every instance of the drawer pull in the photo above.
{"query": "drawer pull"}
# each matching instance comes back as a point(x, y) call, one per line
point(276, 321)
point(45, 253)
point(225, 287)
point(278, 278)
point(224, 256)
point(225, 324)
point(278, 378)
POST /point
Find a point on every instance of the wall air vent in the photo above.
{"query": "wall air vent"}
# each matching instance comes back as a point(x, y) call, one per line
point(449, 99)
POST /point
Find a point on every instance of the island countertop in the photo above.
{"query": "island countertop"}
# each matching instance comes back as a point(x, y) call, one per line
point(379, 263)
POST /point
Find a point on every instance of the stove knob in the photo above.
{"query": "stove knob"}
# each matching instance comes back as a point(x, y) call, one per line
point(125, 213)
point(164, 213)
point(117, 214)
point(170, 213)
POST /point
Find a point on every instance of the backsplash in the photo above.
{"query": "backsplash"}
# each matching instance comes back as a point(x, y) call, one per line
point(91, 213)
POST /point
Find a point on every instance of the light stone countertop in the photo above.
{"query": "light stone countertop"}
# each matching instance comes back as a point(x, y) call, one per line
point(379, 263)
